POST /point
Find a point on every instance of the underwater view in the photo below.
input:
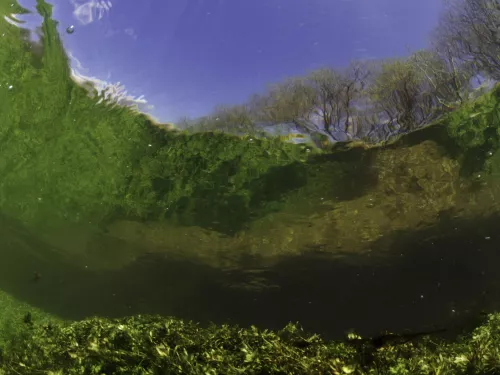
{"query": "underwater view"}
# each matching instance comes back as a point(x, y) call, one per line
point(249, 187)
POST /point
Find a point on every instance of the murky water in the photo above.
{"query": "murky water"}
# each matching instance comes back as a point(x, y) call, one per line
point(442, 277)
point(104, 213)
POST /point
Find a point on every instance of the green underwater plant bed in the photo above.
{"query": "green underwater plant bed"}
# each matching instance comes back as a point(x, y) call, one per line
point(158, 345)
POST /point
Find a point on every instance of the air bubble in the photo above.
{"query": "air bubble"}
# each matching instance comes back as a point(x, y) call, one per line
point(70, 29)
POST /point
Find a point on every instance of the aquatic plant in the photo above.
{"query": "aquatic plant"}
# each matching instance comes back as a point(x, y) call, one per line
point(162, 345)
point(475, 127)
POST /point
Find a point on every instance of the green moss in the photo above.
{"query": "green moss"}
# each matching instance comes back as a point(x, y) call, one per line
point(198, 179)
point(475, 127)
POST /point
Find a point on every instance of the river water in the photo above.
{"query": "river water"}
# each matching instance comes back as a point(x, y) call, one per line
point(441, 278)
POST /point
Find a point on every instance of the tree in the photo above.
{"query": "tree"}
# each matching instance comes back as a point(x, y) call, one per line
point(353, 83)
point(335, 93)
point(289, 101)
point(471, 30)
point(445, 78)
point(396, 91)
point(228, 118)
point(184, 123)
point(365, 119)
point(328, 101)
point(233, 118)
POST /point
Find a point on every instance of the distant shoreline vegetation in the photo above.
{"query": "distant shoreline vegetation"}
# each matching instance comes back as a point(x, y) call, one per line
point(376, 99)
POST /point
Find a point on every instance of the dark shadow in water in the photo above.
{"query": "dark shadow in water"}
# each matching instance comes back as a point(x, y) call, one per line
point(445, 276)
point(357, 176)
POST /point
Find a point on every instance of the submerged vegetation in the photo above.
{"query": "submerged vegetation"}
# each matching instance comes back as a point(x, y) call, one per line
point(145, 344)
point(70, 157)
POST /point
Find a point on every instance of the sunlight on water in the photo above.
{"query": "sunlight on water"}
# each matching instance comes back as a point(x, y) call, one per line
point(245, 163)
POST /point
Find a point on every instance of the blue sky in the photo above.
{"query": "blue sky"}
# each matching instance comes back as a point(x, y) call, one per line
point(186, 56)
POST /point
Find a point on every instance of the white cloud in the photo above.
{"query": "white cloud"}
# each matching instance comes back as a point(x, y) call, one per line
point(77, 62)
point(13, 20)
point(87, 11)
point(114, 91)
point(111, 33)
point(130, 32)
